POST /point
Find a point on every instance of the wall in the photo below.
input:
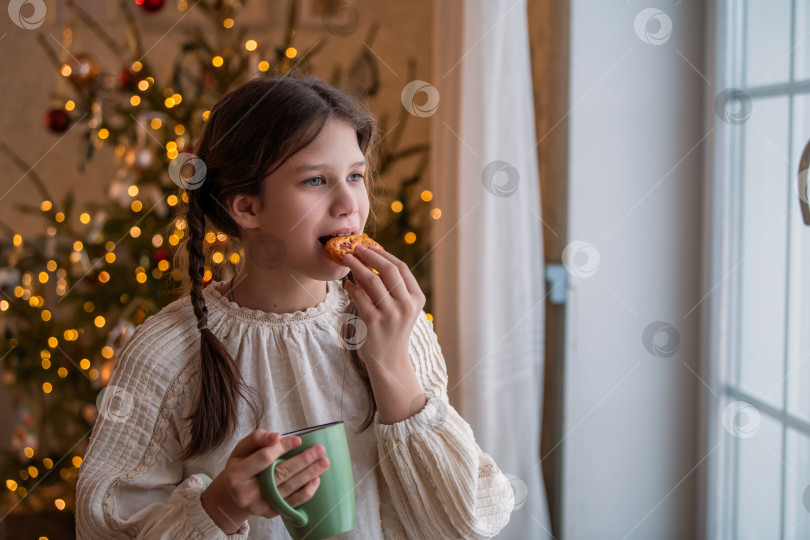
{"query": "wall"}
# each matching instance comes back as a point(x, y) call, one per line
point(636, 139)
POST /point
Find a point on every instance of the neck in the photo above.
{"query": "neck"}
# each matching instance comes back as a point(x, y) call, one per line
point(273, 293)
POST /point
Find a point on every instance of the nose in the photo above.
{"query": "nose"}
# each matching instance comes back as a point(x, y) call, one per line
point(345, 199)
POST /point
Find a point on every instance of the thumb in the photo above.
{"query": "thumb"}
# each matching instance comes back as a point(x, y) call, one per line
point(254, 441)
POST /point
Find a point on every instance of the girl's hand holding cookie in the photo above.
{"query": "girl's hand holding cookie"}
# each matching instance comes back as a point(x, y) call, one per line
point(388, 304)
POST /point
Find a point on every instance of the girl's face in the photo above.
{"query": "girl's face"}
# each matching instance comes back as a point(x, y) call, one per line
point(318, 191)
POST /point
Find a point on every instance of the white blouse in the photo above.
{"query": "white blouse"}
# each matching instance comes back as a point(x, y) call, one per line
point(433, 480)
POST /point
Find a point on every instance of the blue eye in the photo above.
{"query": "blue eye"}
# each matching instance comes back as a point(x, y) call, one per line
point(321, 178)
point(311, 179)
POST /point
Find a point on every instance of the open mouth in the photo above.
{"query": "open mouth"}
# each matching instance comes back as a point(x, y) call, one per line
point(324, 239)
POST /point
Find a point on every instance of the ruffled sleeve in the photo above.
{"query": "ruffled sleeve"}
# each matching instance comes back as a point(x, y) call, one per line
point(441, 483)
point(131, 481)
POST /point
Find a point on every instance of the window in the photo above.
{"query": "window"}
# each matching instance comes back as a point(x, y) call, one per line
point(759, 275)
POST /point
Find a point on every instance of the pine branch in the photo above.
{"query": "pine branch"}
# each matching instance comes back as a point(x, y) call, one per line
point(29, 170)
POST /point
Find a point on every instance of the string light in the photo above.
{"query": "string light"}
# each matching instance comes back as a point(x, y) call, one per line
point(85, 218)
point(427, 196)
point(396, 207)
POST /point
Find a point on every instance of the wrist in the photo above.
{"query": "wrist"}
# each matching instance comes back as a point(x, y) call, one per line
point(221, 509)
point(397, 392)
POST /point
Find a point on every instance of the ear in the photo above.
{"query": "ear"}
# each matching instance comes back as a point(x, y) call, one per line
point(244, 210)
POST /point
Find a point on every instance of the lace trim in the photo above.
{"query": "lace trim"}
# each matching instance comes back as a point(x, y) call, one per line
point(176, 388)
point(334, 299)
point(487, 471)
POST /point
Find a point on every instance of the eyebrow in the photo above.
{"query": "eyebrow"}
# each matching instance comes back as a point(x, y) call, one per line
point(325, 166)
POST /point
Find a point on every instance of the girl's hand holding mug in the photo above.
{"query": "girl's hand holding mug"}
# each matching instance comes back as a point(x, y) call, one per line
point(234, 495)
point(388, 303)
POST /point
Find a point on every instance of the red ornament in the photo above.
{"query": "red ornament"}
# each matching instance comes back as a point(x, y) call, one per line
point(150, 6)
point(57, 120)
point(128, 79)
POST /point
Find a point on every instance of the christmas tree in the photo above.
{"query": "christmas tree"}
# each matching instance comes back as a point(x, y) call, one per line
point(73, 294)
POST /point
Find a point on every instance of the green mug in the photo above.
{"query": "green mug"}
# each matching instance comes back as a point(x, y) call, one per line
point(331, 510)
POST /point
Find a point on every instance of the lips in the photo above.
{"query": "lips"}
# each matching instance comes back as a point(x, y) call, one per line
point(324, 239)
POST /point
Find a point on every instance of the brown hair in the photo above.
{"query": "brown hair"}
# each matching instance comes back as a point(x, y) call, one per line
point(254, 127)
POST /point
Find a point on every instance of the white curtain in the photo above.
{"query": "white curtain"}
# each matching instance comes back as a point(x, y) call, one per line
point(488, 279)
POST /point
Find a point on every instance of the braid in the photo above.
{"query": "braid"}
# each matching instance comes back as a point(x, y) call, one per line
point(215, 416)
point(196, 258)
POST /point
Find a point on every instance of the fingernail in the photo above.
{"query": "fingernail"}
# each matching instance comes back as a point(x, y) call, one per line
point(348, 257)
point(360, 247)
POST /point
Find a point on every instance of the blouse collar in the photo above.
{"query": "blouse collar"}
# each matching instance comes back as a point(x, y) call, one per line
point(334, 301)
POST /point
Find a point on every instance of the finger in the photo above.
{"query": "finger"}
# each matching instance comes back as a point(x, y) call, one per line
point(373, 284)
point(357, 295)
point(257, 439)
point(297, 466)
point(304, 477)
point(304, 494)
point(263, 457)
point(408, 278)
point(390, 273)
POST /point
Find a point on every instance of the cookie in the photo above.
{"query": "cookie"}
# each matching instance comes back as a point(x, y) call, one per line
point(338, 246)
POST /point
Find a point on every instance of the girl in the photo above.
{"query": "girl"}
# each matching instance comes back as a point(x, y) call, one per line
point(287, 163)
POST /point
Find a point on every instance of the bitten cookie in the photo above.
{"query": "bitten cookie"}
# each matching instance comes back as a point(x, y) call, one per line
point(338, 246)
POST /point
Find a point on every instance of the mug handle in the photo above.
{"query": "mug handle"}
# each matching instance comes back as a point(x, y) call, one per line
point(270, 489)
